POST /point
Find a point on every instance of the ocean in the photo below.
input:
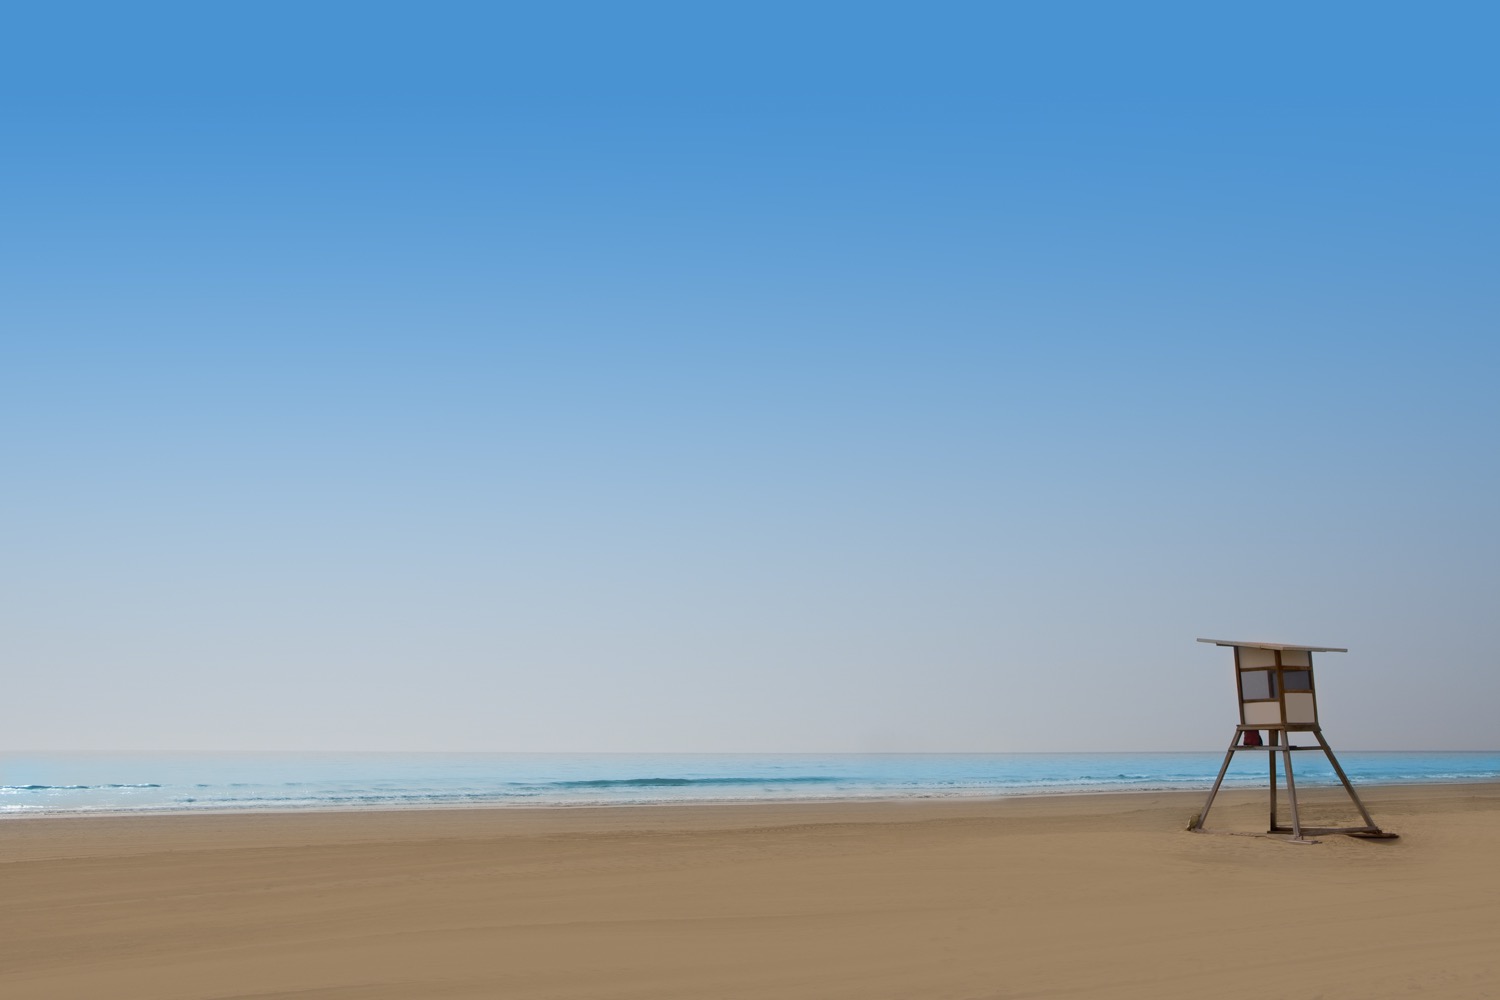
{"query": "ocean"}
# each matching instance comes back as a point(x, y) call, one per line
point(58, 783)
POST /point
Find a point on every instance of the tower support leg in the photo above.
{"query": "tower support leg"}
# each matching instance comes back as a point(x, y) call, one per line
point(1272, 757)
point(1348, 786)
point(1291, 790)
point(1199, 820)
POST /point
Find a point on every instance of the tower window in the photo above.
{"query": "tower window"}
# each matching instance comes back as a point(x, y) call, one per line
point(1297, 680)
point(1258, 685)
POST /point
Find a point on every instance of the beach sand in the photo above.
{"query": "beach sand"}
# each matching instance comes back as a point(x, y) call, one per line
point(1068, 896)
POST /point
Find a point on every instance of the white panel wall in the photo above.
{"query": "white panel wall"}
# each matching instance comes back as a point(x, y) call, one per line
point(1256, 658)
point(1296, 658)
point(1263, 713)
point(1300, 707)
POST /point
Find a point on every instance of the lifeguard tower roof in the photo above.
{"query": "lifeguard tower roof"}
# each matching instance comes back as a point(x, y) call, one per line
point(1275, 645)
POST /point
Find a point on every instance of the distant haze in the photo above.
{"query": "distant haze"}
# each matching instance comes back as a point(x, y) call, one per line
point(816, 379)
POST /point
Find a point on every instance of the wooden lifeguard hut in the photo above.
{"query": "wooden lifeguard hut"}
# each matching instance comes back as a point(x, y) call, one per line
point(1274, 681)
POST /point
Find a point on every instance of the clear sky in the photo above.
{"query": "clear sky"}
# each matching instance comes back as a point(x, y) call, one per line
point(744, 377)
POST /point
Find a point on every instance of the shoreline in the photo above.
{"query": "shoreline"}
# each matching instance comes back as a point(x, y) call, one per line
point(500, 805)
point(32, 837)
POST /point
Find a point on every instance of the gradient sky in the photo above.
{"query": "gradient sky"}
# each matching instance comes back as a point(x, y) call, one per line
point(744, 377)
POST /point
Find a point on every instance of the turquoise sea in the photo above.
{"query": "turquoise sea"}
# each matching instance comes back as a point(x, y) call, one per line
point(51, 783)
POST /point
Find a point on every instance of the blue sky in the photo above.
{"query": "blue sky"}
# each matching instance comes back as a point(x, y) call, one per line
point(806, 377)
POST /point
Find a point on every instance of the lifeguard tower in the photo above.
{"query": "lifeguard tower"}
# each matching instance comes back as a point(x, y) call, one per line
point(1276, 694)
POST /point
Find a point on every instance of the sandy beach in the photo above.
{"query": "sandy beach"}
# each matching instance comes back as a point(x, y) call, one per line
point(1065, 896)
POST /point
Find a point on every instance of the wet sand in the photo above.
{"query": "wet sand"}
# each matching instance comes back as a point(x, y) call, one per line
point(1065, 896)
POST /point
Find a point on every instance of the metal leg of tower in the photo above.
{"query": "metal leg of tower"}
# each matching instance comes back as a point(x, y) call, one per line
point(1202, 817)
point(1348, 786)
